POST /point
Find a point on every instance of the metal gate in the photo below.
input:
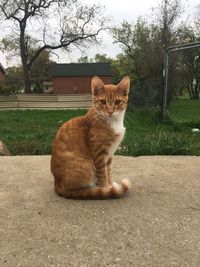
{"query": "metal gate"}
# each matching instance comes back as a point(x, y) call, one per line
point(181, 95)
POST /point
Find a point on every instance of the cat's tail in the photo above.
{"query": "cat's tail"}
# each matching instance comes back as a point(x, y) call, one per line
point(114, 191)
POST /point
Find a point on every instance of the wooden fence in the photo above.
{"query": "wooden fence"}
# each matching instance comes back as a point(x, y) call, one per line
point(24, 101)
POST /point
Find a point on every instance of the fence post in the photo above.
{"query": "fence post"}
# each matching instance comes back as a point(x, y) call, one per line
point(165, 74)
point(169, 50)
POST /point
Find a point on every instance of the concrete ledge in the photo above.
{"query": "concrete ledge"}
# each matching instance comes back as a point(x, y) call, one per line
point(157, 224)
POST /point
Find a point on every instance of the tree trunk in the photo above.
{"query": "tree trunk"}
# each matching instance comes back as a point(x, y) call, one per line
point(194, 92)
point(197, 90)
point(27, 82)
point(24, 58)
point(190, 90)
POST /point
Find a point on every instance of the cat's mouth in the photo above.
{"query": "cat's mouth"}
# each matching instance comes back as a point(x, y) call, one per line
point(111, 115)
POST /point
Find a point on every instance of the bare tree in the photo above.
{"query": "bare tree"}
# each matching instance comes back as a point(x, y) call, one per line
point(49, 25)
point(145, 42)
point(166, 16)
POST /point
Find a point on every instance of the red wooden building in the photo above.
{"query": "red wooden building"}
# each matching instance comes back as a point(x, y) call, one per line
point(75, 78)
point(2, 74)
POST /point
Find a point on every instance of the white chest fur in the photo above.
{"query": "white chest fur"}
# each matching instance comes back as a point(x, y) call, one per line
point(117, 124)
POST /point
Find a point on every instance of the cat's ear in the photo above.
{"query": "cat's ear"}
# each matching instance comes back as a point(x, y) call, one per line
point(124, 86)
point(97, 86)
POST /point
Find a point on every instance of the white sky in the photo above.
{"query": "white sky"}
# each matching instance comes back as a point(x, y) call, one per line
point(127, 10)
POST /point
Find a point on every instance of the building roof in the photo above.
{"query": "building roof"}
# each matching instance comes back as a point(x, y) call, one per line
point(81, 69)
point(2, 69)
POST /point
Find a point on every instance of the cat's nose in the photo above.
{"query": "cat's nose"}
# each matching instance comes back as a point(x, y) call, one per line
point(110, 112)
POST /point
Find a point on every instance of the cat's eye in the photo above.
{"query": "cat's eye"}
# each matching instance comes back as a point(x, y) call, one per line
point(117, 102)
point(103, 102)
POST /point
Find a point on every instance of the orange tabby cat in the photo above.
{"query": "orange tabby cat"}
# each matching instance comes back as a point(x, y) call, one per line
point(83, 147)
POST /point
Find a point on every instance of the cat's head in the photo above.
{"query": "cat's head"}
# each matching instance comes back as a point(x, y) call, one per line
point(108, 98)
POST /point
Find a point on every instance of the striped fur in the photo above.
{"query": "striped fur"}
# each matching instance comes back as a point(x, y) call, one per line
point(83, 147)
point(106, 192)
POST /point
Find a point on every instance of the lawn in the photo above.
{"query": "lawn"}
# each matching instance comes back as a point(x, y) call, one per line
point(31, 132)
point(185, 110)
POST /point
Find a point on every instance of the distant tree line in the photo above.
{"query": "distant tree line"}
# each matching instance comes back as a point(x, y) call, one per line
point(143, 43)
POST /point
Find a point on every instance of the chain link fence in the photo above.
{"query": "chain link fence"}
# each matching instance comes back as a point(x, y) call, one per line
point(176, 91)
point(181, 97)
point(147, 93)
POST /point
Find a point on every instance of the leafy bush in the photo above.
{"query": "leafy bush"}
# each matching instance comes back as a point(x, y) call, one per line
point(4, 89)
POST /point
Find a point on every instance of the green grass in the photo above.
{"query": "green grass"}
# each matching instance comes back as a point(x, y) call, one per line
point(184, 110)
point(32, 132)
point(146, 135)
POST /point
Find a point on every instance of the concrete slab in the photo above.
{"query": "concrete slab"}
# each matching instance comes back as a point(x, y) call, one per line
point(157, 224)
